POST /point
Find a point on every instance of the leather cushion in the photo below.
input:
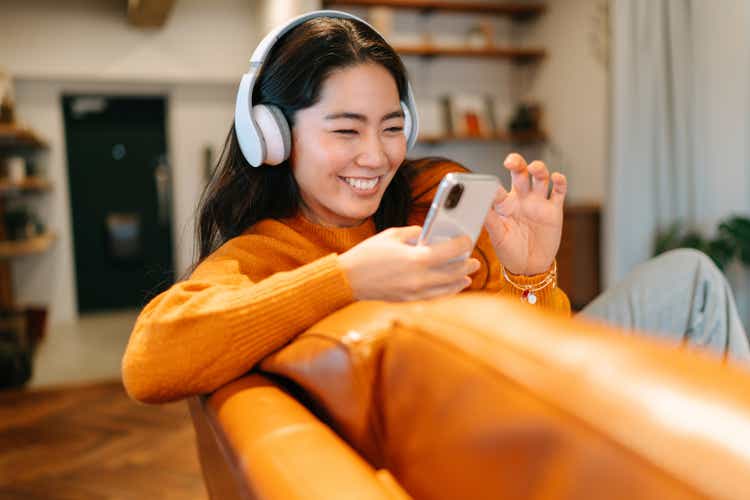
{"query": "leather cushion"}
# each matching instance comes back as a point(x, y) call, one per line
point(336, 362)
point(476, 396)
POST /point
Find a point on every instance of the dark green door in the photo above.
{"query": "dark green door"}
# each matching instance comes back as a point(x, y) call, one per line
point(120, 194)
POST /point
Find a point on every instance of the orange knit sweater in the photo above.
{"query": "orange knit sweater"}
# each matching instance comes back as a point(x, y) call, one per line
point(257, 292)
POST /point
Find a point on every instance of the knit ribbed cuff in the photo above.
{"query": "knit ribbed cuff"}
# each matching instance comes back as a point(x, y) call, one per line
point(524, 280)
point(543, 295)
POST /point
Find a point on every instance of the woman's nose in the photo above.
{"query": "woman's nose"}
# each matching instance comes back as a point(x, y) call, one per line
point(371, 153)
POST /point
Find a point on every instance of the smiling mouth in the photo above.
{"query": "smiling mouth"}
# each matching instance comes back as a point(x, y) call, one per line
point(362, 184)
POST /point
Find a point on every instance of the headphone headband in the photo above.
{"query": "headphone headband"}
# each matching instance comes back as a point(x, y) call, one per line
point(246, 128)
point(265, 45)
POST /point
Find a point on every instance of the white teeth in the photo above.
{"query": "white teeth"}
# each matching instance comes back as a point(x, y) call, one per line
point(362, 184)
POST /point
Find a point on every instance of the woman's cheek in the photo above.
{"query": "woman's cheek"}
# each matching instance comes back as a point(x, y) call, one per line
point(396, 151)
point(335, 149)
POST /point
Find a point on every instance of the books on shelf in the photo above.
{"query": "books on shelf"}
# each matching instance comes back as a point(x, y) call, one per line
point(470, 115)
point(433, 119)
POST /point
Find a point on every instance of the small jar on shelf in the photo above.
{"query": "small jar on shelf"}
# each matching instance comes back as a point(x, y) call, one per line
point(22, 224)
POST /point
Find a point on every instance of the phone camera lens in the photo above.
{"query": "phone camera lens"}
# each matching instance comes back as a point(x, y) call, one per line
point(454, 196)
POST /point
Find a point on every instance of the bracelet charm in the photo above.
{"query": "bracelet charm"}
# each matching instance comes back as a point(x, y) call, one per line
point(528, 294)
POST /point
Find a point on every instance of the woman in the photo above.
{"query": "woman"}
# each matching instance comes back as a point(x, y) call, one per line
point(283, 246)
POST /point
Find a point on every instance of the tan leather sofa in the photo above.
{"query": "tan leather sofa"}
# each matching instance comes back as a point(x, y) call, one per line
point(475, 397)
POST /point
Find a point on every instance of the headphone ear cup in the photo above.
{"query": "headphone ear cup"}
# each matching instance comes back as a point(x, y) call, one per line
point(407, 120)
point(274, 132)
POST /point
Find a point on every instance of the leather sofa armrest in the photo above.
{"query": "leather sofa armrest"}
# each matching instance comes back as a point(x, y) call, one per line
point(256, 441)
point(477, 396)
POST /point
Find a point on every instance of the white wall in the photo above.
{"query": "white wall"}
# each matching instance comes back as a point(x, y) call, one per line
point(574, 87)
point(90, 40)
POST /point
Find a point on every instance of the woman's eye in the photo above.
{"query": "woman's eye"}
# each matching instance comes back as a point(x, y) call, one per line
point(345, 131)
point(394, 129)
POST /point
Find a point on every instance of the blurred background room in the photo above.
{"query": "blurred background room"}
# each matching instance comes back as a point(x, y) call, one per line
point(114, 113)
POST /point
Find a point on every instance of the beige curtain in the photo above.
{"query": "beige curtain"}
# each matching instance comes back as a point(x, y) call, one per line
point(680, 125)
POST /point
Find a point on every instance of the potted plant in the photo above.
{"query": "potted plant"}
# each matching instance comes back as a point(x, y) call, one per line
point(732, 240)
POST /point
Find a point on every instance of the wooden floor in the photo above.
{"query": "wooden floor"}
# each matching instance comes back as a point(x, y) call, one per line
point(92, 442)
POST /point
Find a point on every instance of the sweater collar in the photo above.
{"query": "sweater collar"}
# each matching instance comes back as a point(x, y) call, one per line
point(339, 239)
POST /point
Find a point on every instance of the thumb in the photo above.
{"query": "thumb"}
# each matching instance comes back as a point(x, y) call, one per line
point(496, 228)
point(407, 234)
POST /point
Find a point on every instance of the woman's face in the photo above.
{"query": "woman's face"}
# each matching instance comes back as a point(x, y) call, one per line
point(347, 147)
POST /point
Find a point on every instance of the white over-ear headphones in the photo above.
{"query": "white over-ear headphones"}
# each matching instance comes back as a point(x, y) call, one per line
point(262, 130)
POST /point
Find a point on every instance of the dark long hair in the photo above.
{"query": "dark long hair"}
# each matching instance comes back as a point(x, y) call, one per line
point(238, 195)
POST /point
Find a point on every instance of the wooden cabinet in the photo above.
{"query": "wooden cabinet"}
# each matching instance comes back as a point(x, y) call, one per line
point(579, 257)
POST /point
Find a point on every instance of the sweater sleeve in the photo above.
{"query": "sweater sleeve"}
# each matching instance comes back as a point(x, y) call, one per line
point(210, 329)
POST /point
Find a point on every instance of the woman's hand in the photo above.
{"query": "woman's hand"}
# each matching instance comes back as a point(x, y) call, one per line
point(524, 225)
point(390, 266)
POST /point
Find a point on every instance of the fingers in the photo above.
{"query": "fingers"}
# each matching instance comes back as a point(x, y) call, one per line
point(447, 289)
point(438, 254)
point(559, 189)
point(539, 178)
point(519, 174)
point(454, 270)
point(534, 178)
point(450, 278)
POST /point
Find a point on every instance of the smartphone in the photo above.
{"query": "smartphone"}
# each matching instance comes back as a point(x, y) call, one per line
point(459, 207)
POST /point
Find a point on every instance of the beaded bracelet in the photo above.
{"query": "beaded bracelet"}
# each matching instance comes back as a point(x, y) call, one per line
point(528, 294)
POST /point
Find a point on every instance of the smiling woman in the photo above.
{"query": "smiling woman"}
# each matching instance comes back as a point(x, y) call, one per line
point(330, 215)
point(314, 206)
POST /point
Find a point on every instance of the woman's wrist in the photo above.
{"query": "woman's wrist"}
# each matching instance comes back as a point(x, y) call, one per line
point(530, 286)
point(346, 263)
point(531, 274)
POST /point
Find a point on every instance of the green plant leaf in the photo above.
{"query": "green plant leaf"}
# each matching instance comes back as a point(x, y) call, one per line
point(668, 239)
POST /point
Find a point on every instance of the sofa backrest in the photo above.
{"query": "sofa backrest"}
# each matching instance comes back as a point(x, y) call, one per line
point(477, 396)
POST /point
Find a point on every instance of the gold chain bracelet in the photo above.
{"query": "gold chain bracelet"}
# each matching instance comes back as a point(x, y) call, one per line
point(529, 294)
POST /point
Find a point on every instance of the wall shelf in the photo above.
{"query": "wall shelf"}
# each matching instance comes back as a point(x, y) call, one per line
point(517, 55)
point(30, 246)
point(516, 11)
point(18, 140)
point(13, 136)
point(28, 185)
point(509, 137)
